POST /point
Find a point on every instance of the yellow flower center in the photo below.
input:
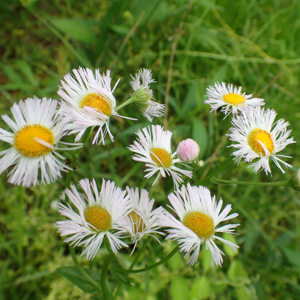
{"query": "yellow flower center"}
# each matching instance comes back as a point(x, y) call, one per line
point(260, 135)
point(139, 225)
point(161, 157)
point(99, 217)
point(200, 223)
point(25, 143)
point(233, 99)
point(96, 101)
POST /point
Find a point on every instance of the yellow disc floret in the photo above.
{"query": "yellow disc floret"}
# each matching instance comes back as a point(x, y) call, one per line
point(233, 99)
point(97, 101)
point(161, 157)
point(99, 217)
point(260, 135)
point(200, 223)
point(139, 225)
point(24, 140)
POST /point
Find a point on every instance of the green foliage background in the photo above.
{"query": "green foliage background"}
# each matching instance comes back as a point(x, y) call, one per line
point(253, 43)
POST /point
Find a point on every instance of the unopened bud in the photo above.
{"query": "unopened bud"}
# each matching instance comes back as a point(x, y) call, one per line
point(188, 150)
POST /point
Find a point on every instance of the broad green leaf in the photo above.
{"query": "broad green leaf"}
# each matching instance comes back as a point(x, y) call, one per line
point(176, 262)
point(76, 29)
point(243, 293)
point(228, 250)
point(75, 277)
point(199, 134)
point(179, 288)
point(237, 272)
point(200, 289)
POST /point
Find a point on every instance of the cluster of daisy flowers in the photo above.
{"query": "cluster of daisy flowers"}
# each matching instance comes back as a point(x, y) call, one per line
point(258, 138)
point(118, 215)
point(87, 101)
point(38, 125)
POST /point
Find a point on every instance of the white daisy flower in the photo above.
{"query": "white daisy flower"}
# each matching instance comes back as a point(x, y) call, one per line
point(230, 98)
point(257, 136)
point(98, 216)
point(199, 215)
point(154, 148)
point(143, 220)
point(143, 94)
point(37, 129)
point(90, 101)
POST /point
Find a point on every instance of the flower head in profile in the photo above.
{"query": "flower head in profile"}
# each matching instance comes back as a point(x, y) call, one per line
point(199, 215)
point(153, 147)
point(259, 138)
point(143, 220)
point(97, 216)
point(37, 129)
point(230, 98)
point(89, 99)
point(188, 150)
point(143, 95)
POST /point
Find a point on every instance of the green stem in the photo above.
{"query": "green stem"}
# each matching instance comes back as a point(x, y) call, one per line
point(106, 293)
point(129, 101)
point(76, 156)
point(223, 181)
point(162, 261)
point(81, 270)
point(140, 252)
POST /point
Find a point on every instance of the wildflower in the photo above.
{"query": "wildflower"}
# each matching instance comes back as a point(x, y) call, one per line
point(37, 129)
point(229, 98)
point(188, 150)
point(143, 95)
point(143, 220)
point(98, 216)
point(257, 136)
point(154, 148)
point(90, 101)
point(199, 215)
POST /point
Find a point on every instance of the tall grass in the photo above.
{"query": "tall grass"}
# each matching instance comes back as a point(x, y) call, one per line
point(254, 44)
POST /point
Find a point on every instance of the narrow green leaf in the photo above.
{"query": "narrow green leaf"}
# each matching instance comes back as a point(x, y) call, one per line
point(292, 256)
point(199, 134)
point(220, 75)
point(26, 69)
point(76, 29)
point(190, 100)
point(121, 277)
point(75, 277)
point(12, 74)
point(119, 29)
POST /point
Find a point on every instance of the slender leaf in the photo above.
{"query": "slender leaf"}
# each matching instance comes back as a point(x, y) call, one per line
point(75, 277)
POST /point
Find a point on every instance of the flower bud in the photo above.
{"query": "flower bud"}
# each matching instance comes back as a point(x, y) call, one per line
point(188, 150)
point(294, 181)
